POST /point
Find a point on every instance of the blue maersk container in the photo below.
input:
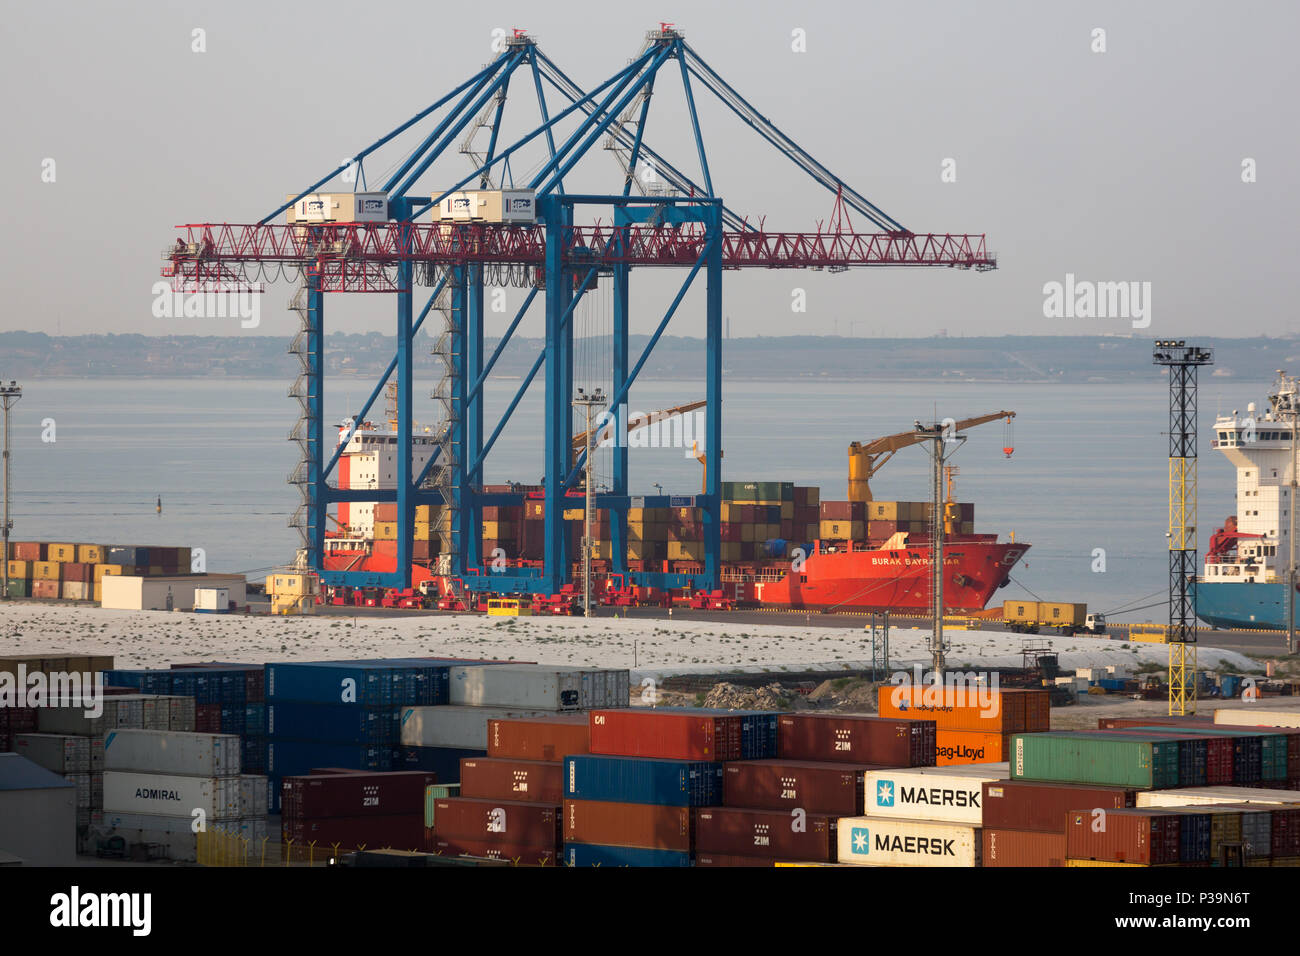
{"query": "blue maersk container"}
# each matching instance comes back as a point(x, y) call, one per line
point(671, 783)
point(336, 722)
point(589, 854)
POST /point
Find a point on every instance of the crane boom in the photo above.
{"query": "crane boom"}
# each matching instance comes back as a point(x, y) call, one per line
point(633, 423)
point(867, 458)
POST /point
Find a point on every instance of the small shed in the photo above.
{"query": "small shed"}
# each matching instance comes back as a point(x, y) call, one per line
point(38, 813)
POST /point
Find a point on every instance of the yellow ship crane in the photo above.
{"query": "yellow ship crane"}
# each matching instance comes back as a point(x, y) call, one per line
point(867, 458)
point(653, 418)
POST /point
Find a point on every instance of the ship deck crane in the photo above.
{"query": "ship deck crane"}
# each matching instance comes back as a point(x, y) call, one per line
point(867, 458)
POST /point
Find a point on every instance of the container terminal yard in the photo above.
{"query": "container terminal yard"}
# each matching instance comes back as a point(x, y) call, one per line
point(579, 670)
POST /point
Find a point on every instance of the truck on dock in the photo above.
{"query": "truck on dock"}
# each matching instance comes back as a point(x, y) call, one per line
point(1028, 617)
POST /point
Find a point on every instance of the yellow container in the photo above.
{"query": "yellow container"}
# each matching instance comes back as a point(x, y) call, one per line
point(102, 570)
point(156, 570)
point(45, 570)
point(787, 510)
point(61, 552)
point(685, 551)
point(883, 511)
point(422, 530)
point(422, 514)
point(730, 551)
point(497, 529)
point(90, 553)
point(574, 514)
point(638, 514)
point(98, 592)
point(385, 530)
point(841, 530)
point(1099, 863)
point(19, 569)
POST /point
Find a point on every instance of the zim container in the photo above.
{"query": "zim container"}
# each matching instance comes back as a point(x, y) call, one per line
point(1040, 806)
point(539, 738)
point(1096, 758)
point(1022, 848)
point(680, 783)
point(355, 794)
point(774, 834)
point(850, 738)
point(500, 778)
point(498, 822)
point(790, 784)
point(398, 831)
point(686, 733)
point(628, 824)
point(515, 854)
point(1151, 837)
point(874, 841)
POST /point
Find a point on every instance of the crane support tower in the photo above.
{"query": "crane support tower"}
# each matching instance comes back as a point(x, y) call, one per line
point(425, 226)
point(1182, 361)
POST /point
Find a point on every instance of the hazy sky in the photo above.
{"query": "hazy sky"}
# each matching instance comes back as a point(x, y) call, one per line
point(1123, 165)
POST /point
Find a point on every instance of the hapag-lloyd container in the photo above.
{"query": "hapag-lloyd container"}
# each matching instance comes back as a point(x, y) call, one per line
point(539, 738)
point(1035, 805)
point(679, 783)
point(171, 794)
point(627, 824)
point(851, 738)
point(685, 733)
point(500, 822)
point(166, 751)
point(775, 834)
point(355, 794)
point(1022, 848)
point(790, 784)
point(959, 748)
point(538, 687)
point(1129, 836)
point(1098, 758)
point(968, 708)
point(461, 728)
point(876, 841)
point(531, 780)
point(1199, 796)
point(589, 854)
point(927, 795)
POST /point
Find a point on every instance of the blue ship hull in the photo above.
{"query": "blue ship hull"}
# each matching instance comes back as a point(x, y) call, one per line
point(1248, 605)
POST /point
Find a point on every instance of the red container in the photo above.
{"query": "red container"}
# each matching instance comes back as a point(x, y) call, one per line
point(354, 794)
point(45, 589)
point(27, 550)
point(207, 718)
point(729, 531)
point(774, 834)
point(78, 573)
point(396, 831)
point(831, 788)
point(627, 824)
point(497, 822)
point(1286, 833)
point(517, 855)
point(1027, 805)
point(541, 738)
point(843, 511)
point(676, 733)
point(727, 859)
point(1022, 848)
point(503, 778)
point(1129, 836)
point(851, 738)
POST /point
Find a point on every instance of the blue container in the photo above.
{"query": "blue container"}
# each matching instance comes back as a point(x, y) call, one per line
point(124, 678)
point(672, 783)
point(334, 722)
point(420, 680)
point(758, 735)
point(442, 761)
point(1230, 684)
point(775, 547)
point(366, 685)
point(136, 557)
point(252, 753)
point(590, 854)
point(293, 758)
point(1194, 839)
point(255, 719)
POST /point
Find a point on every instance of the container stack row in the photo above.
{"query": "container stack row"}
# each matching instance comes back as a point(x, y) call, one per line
point(974, 723)
point(73, 572)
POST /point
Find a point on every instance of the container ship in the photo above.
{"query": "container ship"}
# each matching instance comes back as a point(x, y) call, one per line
point(850, 555)
point(1248, 560)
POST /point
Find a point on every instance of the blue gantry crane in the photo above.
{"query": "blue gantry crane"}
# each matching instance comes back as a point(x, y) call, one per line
point(556, 253)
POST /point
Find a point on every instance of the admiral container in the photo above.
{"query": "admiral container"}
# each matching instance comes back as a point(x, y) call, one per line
point(678, 783)
point(627, 824)
point(499, 822)
point(1215, 795)
point(60, 753)
point(1032, 805)
point(539, 738)
point(791, 784)
point(171, 794)
point(515, 854)
point(975, 708)
point(849, 738)
point(1129, 836)
point(1022, 848)
point(355, 794)
point(774, 834)
point(1100, 758)
point(589, 854)
point(338, 722)
point(688, 733)
point(399, 831)
point(537, 687)
point(165, 751)
point(926, 795)
point(464, 728)
point(533, 780)
point(878, 841)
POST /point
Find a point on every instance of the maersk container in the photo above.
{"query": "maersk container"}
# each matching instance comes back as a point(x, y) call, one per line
point(590, 854)
point(538, 687)
point(165, 751)
point(1100, 758)
point(171, 794)
point(677, 783)
point(912, 795)
point(337, 722)
point(877, 841)
point(60, 753)
point(463, 728)
point(291, 758)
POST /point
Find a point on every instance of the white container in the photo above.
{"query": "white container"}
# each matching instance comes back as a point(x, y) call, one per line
point(1200, 796)
point(538, 686)
point(462, 728)
point(212, 599)
point(1250, 717)
point(60, 753)
point(930, 794)
point(172, 752)
point(487, 205)
point(171, 795)
point(119, 710)
point(876, 841)
point(252, 796)
point(339, 207)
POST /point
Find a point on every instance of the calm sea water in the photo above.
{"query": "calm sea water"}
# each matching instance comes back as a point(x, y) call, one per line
point(1088, 471)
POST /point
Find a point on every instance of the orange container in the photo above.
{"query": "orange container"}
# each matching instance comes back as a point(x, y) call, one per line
point(627, 824)
point(955, 748)
point(963, 708)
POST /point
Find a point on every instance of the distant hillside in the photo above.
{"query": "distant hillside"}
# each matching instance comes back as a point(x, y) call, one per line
point(992, 359)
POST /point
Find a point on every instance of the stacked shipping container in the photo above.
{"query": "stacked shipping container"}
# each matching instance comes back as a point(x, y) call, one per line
point(73, 572)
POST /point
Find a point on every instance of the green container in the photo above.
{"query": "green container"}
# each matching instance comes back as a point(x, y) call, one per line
point(1273, 747)
point(434, 792)
point(20, 588)
point(1107, 759)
